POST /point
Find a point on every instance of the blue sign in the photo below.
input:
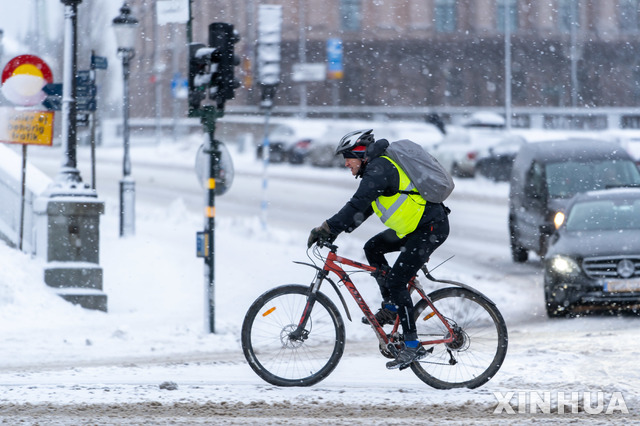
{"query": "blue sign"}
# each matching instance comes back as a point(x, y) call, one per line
point(86, 91)
point(334, 59)
point(53, 89)
point(98, 62)
point(53, 101)
point(179, 87)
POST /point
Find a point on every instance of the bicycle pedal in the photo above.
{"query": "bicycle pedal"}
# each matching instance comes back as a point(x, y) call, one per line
point(393, 350)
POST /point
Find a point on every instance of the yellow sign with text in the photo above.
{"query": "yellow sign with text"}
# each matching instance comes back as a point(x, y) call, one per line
point(26, 127)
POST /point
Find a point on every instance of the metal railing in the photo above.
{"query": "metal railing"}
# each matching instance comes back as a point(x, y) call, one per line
point(557, 118)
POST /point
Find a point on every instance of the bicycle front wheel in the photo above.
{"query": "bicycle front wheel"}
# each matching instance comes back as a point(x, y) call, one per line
point(478, 349)
point(278, 357)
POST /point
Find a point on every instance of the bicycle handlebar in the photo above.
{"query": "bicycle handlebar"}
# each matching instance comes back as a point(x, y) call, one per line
point(326, 243)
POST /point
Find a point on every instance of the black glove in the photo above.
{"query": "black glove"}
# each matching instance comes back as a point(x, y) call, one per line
point(322, 232)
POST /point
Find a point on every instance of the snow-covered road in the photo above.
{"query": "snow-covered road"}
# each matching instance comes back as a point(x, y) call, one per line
point(62, 365)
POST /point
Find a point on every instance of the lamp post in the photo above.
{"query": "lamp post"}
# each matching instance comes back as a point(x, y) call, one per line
point(125, 28)
point(68, 181)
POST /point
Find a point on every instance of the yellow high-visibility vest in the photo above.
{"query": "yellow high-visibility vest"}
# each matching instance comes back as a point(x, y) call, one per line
point(400, 212)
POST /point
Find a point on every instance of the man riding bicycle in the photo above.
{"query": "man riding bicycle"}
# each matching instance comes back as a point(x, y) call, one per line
point(417, 228)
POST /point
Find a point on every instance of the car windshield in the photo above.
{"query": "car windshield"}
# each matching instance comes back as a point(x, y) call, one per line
point(604, 215)
point(568, 178)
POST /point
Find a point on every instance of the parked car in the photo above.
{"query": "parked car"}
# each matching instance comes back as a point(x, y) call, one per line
point(299, 151)
point(282, 136)
point(593, 261)
point(460, 147)
point(546, 175)
point(322, 152)
point(497, 161)
point(277, 151)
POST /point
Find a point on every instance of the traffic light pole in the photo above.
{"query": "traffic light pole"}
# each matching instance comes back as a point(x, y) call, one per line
point(208, 116)
point(211, 75)
point(265, 162)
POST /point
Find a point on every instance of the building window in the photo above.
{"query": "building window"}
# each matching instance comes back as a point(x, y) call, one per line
point(567, 15)
point(351, 15)
point(628, 15)
point(510, 8)
point(446, 16)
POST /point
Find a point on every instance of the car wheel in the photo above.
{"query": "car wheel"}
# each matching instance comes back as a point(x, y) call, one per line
point(276, 156)
point(519, 254)
point(455, 170)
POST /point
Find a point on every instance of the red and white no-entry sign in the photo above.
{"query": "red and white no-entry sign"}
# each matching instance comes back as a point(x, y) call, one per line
point(23, 79)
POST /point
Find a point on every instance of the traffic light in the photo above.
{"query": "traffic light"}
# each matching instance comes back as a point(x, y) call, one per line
point(202, 65)
point(268, 52)
point(222, 38)
point(269, 37)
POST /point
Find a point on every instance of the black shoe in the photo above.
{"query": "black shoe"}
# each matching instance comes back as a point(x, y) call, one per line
point(406, 357)
point(384, 316)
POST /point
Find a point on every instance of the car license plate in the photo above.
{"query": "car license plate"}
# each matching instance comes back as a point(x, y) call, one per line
point(622, 286)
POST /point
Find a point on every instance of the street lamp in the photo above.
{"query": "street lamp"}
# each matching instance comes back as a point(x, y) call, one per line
point(68, 181)
point(125, 28)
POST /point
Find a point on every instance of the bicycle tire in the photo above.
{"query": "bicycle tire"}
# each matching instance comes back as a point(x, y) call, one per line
point(478, 353)
point(284, 362)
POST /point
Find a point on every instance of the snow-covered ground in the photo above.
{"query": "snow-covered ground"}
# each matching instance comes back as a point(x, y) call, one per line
point(61, 364)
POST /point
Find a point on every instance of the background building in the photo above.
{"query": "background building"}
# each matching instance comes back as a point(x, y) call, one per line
point(419, 53)
point(400, 54)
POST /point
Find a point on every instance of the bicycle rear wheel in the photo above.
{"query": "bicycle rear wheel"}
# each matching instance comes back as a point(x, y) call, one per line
point(284, 361)
point(480, 346)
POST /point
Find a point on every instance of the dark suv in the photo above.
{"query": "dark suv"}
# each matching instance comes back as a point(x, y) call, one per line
point(546, 175)
point(593, 261)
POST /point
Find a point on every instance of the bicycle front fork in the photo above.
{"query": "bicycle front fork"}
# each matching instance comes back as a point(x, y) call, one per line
point(301, 333)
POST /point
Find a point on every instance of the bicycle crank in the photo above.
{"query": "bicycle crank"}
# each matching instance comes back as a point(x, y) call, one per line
point(390, 350)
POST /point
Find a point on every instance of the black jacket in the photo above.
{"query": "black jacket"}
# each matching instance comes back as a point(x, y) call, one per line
point(379, 178)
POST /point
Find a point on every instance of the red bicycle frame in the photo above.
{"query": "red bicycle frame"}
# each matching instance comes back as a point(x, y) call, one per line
point(332, 264)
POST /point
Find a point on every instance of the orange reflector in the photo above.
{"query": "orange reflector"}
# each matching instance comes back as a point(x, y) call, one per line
point(212, 184)
point(428, 316)
point(210, 211)
point(269, 311)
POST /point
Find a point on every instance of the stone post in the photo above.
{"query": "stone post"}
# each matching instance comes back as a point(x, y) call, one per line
point(68, 238)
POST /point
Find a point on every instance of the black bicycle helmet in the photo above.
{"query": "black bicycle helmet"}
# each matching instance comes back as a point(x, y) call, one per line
point(355, 139)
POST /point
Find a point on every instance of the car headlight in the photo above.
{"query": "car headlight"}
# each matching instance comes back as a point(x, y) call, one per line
point(558, 219)
point(564, 265)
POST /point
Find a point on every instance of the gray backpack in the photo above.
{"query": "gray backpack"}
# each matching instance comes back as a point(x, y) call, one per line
point(431, 180)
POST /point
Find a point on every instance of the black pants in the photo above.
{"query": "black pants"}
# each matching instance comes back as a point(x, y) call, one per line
point(415, 249)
